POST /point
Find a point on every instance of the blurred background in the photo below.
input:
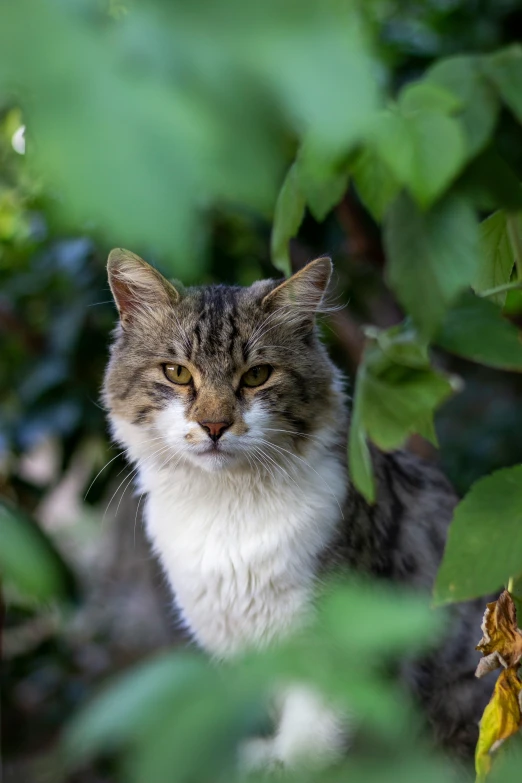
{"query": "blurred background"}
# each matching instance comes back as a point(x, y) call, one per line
point(207, 207)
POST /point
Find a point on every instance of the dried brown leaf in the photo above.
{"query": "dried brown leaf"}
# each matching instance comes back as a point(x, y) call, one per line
point(501, 643)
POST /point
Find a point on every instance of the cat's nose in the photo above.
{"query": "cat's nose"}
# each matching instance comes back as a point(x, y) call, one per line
point(215, 429)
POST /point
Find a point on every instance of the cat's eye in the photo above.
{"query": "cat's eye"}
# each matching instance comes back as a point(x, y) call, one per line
point(257, 375)
point(177, 373)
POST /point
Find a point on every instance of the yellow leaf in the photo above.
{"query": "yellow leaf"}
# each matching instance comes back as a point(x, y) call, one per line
point(502, 718)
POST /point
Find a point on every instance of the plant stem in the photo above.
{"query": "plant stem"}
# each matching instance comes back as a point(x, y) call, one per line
point(511, 585)
point(499, 289)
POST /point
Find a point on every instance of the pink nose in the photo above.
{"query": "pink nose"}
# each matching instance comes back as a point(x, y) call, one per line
point(215, 429)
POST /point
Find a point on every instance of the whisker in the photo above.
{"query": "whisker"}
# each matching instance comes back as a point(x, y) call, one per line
point(280, 448)
point(278, 467)
point(130, 476)
point(101, 471)
point(136, 516)
point(293, 432)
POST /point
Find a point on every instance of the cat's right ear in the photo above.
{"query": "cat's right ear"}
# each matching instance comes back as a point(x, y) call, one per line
point(138, 289)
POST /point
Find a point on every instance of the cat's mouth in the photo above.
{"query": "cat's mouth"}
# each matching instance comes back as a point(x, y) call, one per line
point(213, 450)
point(212, 457)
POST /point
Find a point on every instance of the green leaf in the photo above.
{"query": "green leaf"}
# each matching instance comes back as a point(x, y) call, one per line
point(183, 107)
point(514, 227)
point(504, 68)
point(169, 717)
point(428, 96)
point(289, 213)
point(370, 609)
point(484, 546)
point(497, 260)
point(462, 76)
point(181, 718)
point(508, 761)
point(425, 150)
point(375, 183)
point(397, 399)
point(432, 257)
point(323, 179)
point(489, 183)
point(475, 329)
point(401, 345)
point(359, 457)
point(132, 700)
point(396, 393)
point(28, 560)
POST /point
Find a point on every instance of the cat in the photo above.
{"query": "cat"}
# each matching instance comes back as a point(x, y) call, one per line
point(226, 400)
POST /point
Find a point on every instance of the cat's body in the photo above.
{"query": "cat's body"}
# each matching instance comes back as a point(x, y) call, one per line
point(248, 502)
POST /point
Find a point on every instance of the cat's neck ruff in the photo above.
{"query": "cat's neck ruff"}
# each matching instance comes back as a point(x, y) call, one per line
point(241, 547)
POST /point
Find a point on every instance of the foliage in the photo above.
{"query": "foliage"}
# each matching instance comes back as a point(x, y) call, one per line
point(435, 129)
point(29, 563)
point(468, 570)
point(502, 647)
point(184, 123)
point(223, 706)
point(168, 127)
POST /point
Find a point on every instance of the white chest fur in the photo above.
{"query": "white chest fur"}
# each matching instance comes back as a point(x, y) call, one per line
point(240, 553)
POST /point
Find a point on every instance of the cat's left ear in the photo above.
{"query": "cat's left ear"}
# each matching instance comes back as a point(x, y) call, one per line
point(305, 290)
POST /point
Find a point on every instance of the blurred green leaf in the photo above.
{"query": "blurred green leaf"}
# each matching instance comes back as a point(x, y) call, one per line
point(484, 546)
point(428, 96)
point(489, 183)
point(289, 213)
point(181, 718)
point(504, 68)
point(371, 611)
point(29, 561)
point(508, 761)
point(147, 138)
point(375, 183)
point(475, 329)
point(432, 257)
point(323, 180)
point(497, 258)
point(425, 150)
point(462, 76)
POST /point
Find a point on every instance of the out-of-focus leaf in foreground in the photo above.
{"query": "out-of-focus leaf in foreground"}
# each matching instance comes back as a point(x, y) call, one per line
point(181, 718)
point(485, 539)
point(28, 560)
point(508, 761)
point(144, 140)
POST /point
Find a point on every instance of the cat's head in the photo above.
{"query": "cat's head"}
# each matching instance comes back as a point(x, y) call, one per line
point(219, 376)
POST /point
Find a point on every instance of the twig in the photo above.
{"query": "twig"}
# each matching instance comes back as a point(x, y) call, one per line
point(499, 289)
